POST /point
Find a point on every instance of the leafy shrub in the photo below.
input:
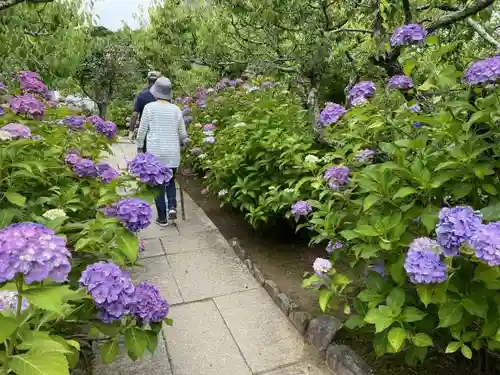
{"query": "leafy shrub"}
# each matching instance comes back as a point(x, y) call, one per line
point(64, 243)
point(395, 196)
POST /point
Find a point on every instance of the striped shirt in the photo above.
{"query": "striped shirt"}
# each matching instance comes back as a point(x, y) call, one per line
point(162, 128)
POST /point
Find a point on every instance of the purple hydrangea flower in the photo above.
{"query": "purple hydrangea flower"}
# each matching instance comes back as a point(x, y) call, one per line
point(195, 151)
point(37, 138)
point(415, 108)
point(149, 170)
point(408, 34)
point(364, 155)
point(107, 173)
point(186, 111)
point(111, 289)
point(321, 266)
point(142, 246)
point(134, 213)
point(378, 268)
point(423, 262)
point(94, 120)
point(31, 83)
point(331, 114)
point(209, 127)
point(106, 128)
point(17, 130)
point(34, 251)
point(201, 103)
point(27, 105)
point(483, 71)
point(84, 168)
point(188, 119)
point(74, 122)
point(337, 176)
point(400, 82)
point(9, 301)
point(331, 247)
point(72, 157)
point(149, 305)
point(486, 243)
point(209, 140)
point(2, 111)
point(360, 92)
point(2, 86)
point(456, 226)
point(301, 208)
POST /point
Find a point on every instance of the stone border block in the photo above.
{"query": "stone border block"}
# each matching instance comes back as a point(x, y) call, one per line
point(259, 276)
point(342, 360)
point(318, 331)
point(321, 331)
point(300, 319)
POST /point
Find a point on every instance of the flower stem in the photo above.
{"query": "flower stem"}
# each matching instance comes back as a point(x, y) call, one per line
point(10, 344)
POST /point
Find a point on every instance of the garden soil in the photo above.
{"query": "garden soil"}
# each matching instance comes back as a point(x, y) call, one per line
point(286, 258)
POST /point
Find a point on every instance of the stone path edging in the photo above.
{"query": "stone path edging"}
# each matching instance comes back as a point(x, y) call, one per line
point(318, 331)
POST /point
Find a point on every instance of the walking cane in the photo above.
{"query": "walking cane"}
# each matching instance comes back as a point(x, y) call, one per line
point(181, 194)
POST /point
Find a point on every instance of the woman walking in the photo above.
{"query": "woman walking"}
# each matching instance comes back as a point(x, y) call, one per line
point(161, 132)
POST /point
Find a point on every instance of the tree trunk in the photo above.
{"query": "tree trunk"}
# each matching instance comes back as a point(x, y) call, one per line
point(103, 109)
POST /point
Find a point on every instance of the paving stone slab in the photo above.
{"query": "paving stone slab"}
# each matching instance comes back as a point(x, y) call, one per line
point(300, 369)
point(157, 271)
point(155, 231)
point(204, 241)
point(150, 364)
point(205, 274)
point(199, 343)
point(153, 248)
point(265, 336)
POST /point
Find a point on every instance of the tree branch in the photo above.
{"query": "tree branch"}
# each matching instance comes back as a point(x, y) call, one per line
point(5, 4)
point(468, 11)
point(407, 11)
point(483, 33)
point(350, 30)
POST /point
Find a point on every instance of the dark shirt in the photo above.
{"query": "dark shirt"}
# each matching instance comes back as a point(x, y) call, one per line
point(144, 97)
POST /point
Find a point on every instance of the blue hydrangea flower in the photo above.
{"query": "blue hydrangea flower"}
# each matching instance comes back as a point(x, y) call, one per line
point(149, 169)
point(301, 208)
point(17, 130)
point(74, 122)
point(361, 92)
point(486, 243)
point(84, 168)
point(34, 251)
point(134, 213)
point(337, 176)
point(455, 227)
point(106, 128)
point(149, 306)
point(400, 82)
point(111, 289)
point(107, 173)
point(209, 140)
point(483, 71)
point(423, 262)
point(331, 114)
point(331, 247)
point(322, 266)
point(365, 155)
point(408, 34)
point(9, 301)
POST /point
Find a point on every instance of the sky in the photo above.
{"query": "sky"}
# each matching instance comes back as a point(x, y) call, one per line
point(112, 12)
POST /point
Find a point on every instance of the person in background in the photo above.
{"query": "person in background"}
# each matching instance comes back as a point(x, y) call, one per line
point(143, 98)
point(162, 130)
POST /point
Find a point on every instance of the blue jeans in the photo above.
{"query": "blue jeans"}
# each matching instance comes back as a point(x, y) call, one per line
point(166, 191)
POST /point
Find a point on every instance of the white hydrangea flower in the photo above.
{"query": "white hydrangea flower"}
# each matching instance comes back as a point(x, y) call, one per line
point(202, 156)
point(311, 159)
point(240, 124)
point(54, 213)
point(5, 136)
point(288, 190)
point(222, 193)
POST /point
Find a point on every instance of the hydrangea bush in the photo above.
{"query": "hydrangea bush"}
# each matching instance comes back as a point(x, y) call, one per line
point(406, 195)
point(63, 272)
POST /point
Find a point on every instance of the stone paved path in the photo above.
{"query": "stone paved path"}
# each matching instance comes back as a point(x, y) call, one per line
point(225, 323)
